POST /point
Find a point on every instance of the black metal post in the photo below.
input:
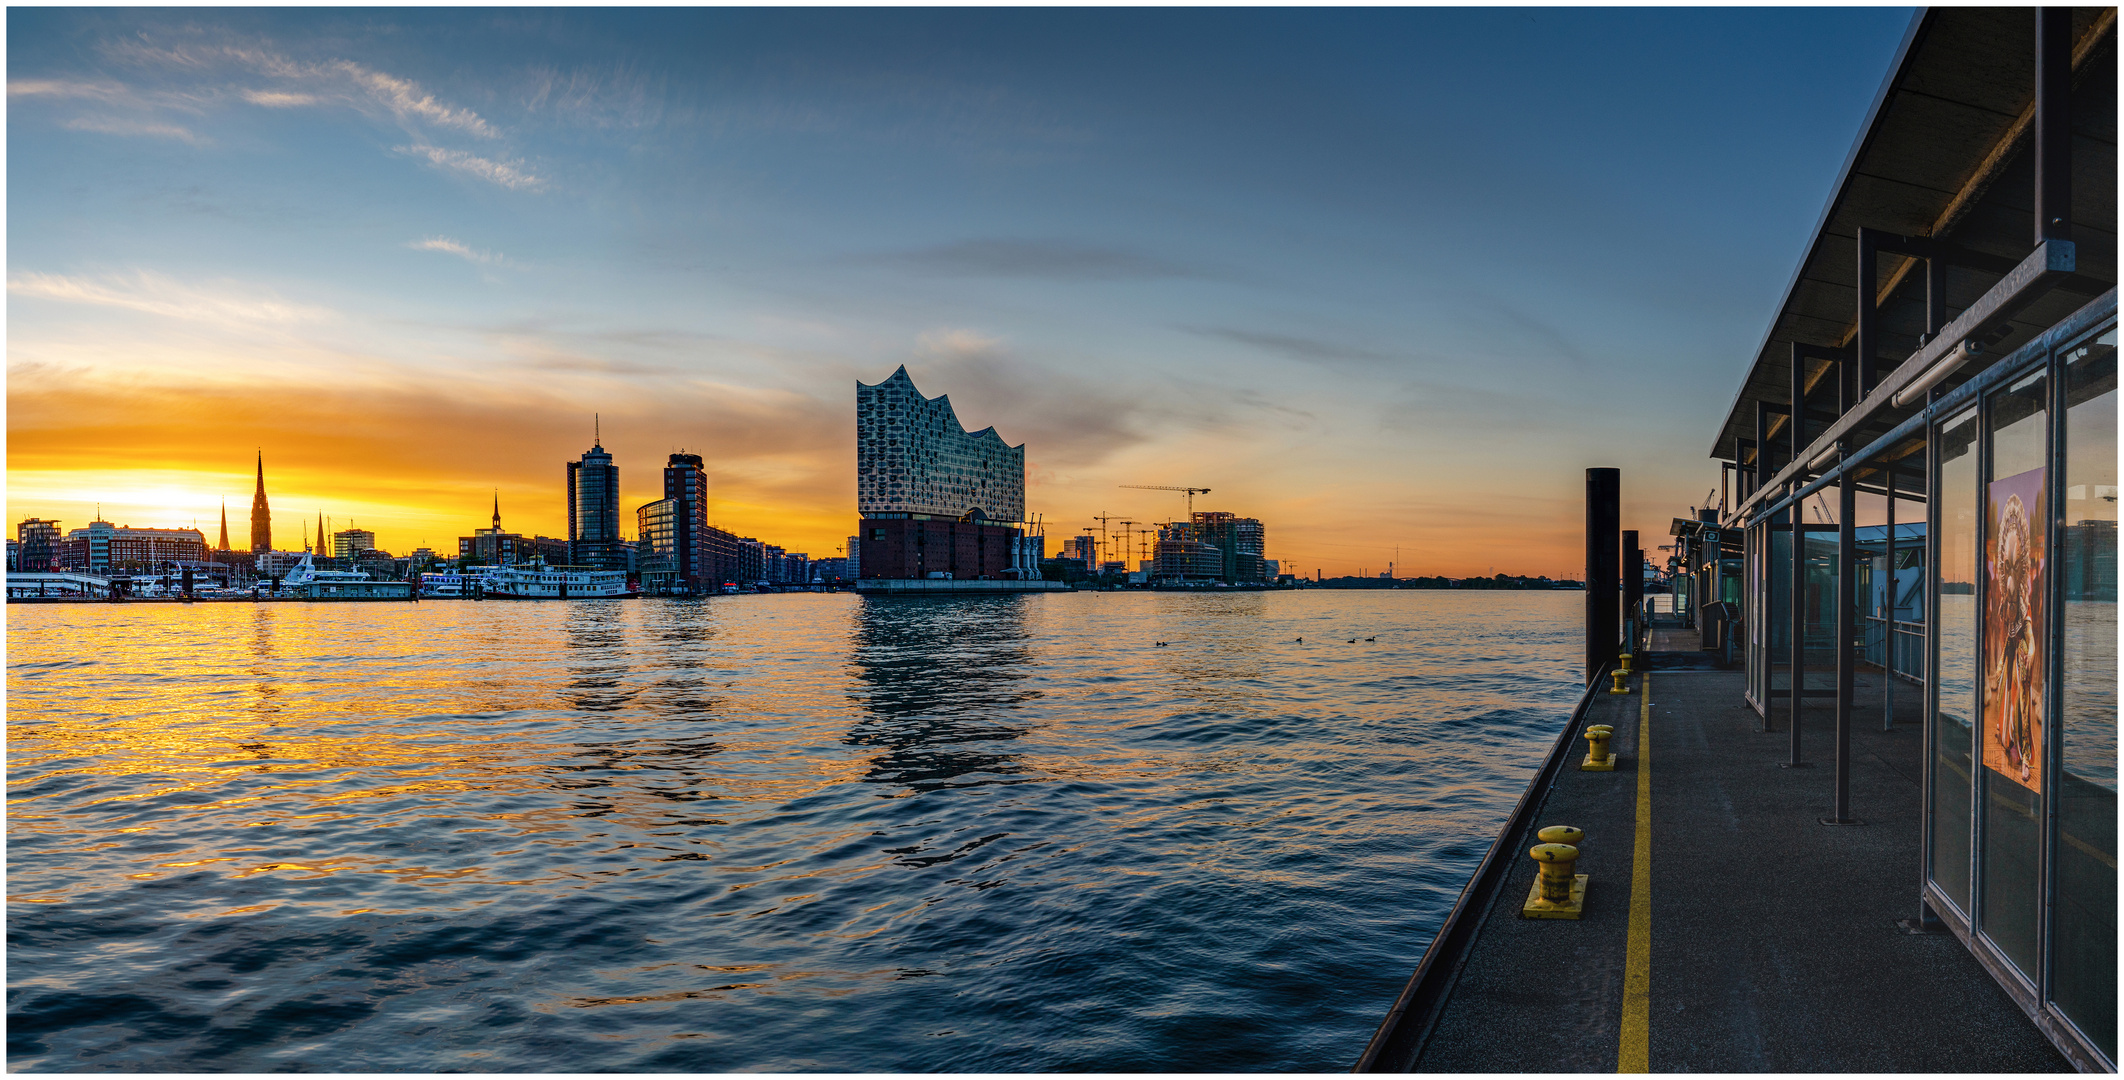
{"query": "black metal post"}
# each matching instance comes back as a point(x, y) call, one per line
point(1797, 646)
point(1888, 605)
point(2053, 124)
point(1796, 420)
point(1935, 297)
point(1846, 631)
point(1633, 590)
point(1867, 340)
point(1603, 539)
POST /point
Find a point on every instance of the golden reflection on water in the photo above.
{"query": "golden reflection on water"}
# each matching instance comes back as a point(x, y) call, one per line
point(795, 775)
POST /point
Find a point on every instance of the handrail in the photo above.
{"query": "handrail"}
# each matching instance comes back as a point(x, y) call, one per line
point(1409, 1022)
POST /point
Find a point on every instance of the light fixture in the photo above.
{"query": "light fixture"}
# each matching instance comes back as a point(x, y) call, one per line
point(1942, 368)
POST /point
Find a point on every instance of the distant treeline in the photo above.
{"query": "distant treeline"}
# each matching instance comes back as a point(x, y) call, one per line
point(1501, 581)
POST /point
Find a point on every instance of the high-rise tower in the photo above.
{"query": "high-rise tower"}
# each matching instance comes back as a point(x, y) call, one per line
point(934, 497)
point(261, 514)
point(593, 510)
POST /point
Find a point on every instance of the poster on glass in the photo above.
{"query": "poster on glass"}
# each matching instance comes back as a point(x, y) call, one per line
point(2015, 645)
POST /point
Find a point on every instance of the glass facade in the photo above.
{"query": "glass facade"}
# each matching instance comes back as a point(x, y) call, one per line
point(2011, 669)
point(1954, 706)
point(2084, 937)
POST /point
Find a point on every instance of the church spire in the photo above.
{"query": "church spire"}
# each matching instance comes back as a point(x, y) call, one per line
point(261, 514)
point(224, 526)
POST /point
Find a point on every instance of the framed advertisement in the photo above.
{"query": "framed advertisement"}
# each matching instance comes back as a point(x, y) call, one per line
point(2016, 644)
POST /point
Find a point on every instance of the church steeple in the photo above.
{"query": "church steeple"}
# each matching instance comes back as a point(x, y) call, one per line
point(224, 526)
point(497, 509)
point(261, 514)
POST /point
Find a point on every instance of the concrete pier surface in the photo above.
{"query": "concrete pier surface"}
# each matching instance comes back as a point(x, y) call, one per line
point(1768, 941)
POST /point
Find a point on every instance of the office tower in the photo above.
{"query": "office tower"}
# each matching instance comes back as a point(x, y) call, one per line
point(39, 539)
point(936, 500)
point(688, 549)
point(261, 514)
point(593, 510)
point(349, 543)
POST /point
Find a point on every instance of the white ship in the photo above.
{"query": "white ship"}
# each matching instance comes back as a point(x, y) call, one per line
point(537, 581)
point(305, 581)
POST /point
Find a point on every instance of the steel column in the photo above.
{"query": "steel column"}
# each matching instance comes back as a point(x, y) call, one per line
point(1797, 615)
point(1888, 605)
point(1867, 340)
point(1633, 589)
point(2053, 124)
point(1846, 632)
point(1603, 538)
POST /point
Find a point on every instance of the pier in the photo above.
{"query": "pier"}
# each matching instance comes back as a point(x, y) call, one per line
point(1762, 941)
point(1865, 814)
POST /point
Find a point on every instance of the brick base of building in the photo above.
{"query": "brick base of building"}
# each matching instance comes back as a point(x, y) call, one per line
point(919, 547)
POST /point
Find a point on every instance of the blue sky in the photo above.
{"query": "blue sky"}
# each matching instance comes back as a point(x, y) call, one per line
point(1380, 277)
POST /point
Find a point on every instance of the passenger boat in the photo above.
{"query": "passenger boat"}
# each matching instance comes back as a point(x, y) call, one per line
point(306, 582)
point(537, 581)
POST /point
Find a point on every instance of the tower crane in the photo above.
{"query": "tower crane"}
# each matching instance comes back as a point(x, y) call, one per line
point(1191, 493)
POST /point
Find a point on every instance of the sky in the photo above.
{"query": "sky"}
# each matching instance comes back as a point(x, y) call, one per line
point(1388, 280)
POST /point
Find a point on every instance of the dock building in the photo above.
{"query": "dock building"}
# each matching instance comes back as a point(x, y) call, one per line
point(1889, 682)
point(935, 499)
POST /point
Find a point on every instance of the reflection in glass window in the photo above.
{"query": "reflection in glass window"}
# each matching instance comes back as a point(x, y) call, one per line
point(1953, 740)
point(2084, 940)
point(2013, 668)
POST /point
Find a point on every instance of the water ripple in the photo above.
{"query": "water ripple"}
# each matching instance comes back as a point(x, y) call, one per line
point(753, 833)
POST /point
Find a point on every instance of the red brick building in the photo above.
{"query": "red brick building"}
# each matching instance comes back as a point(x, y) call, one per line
point(918, 545)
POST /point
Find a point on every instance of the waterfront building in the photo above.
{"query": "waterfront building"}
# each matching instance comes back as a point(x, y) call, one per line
point(855, 557)
point(677, 546)
point(1084, 549)
point(261, 513)
point(935, 499)
point(14, 554)
point(39, 539)
point(593, 511)
point(350, 543)
point(1926, 438)
point(109, 547)
point(1213, 546)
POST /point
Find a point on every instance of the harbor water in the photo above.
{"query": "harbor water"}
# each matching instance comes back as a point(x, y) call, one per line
point(795, 832)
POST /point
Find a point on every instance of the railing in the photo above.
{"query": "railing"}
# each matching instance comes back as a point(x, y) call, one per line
point(1909, 645)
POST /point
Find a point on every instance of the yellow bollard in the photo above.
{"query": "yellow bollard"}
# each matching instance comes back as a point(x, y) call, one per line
point(1625, 658)
point(1561, 834)
point(1597, 757)
point(1619, 687)
point(1557, 893)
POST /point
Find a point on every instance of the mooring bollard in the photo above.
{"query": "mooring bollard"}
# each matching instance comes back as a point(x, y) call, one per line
point(1562, 834)
point(1557, 893)
point(1597, 757)
point(1620, 686)
point(1625, 658)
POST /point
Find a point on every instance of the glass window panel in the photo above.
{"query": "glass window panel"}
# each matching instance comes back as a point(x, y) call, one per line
point(2084, 940)
point(2013, 669)
point(1953, 762)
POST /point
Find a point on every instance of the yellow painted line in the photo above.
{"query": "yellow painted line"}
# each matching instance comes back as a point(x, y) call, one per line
point(1635, 1055)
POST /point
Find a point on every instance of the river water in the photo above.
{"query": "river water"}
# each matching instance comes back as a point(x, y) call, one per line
point(797, 832)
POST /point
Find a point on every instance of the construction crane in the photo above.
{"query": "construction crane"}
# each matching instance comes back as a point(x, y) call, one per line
point(1102, 517)
point(1191, 493)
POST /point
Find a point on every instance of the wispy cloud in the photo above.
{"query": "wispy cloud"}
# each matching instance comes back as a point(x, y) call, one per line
point(458, 248)
point(1293, 346)
point(335, 81)
point(112, 125)
point(278, 99)
point(155, 294)
point(509, 174)
point(67, 88)
point(1057, 260)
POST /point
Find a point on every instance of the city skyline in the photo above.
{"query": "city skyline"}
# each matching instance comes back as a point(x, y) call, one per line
point(1363, 299)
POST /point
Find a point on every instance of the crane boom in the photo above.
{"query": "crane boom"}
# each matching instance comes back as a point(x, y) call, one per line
point(1191, 493)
